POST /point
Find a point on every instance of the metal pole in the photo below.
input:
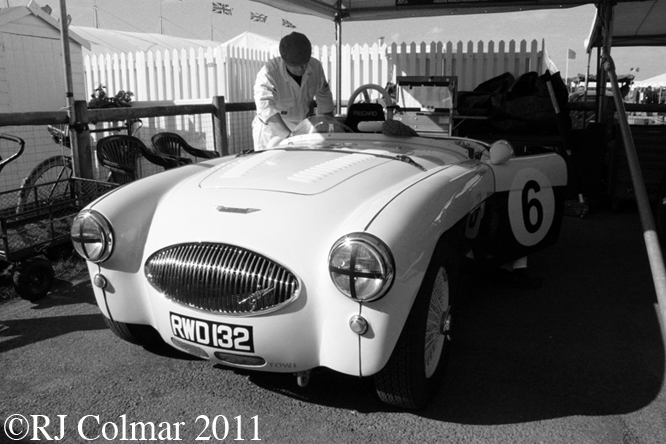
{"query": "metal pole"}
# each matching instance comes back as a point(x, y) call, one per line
point(338, 79)
point(655, 256)
point(69, 88)
point(644, 209)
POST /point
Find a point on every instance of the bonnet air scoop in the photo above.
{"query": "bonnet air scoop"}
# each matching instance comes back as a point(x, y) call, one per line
point(297, 171)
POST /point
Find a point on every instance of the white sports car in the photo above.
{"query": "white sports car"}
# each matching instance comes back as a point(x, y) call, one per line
point(334, 249)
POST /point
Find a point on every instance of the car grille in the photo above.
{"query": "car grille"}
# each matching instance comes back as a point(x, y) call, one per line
point(221, 278)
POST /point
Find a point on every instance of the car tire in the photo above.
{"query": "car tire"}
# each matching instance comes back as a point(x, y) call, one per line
point(143, 335)
point(417, 363)
point(33, 278)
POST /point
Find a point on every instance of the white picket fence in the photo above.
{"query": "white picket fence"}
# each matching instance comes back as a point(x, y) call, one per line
point(200, 73)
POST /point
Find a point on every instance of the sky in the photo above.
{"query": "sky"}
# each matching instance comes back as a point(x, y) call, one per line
point(561, 29)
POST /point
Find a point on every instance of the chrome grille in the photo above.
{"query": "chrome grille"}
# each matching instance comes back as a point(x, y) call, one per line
point(221, 278)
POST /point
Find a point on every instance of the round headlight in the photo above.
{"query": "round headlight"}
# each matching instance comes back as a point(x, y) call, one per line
point(361, 267)
point(92, 236)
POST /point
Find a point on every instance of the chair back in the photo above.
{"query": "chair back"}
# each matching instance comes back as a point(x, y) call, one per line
point(172, 144)
point(157, 158)
point(363, 112)
point(167, 143)
point(120, 154)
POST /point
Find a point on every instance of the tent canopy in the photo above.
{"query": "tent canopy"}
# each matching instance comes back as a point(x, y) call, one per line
point(634, 24)
point(358, 10)
point(109, 41)
point(659, 80)
point(106, 41)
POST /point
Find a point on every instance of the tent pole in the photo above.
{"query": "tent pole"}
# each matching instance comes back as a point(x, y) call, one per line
point(644, 209)
point(338, 74)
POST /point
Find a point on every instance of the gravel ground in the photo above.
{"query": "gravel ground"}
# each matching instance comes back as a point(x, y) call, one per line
point(579, 360)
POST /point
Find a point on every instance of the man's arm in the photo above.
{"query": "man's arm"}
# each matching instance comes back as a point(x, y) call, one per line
point(323, 94)
point(277, 126)
point(279, 130)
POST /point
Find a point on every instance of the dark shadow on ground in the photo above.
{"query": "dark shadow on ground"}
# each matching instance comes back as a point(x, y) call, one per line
point(586, 343)
point(165, 350)
point(326, 387)
point(24, 332)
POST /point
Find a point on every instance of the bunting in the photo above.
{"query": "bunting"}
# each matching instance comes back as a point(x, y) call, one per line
point(287, 24)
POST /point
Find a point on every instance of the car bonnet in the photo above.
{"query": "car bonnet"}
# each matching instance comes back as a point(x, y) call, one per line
point(305, 172)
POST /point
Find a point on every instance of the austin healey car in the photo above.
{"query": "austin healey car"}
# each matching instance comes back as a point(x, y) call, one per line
point(336, 248)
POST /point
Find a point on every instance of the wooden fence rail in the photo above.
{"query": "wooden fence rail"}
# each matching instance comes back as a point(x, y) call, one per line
point(156, 117)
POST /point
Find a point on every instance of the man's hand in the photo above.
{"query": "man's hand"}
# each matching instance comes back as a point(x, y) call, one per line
point(275, 141)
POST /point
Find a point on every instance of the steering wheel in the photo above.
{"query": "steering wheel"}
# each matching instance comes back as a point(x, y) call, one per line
point(363, 89)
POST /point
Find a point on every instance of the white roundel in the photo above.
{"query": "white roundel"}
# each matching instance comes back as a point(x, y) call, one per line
point(531, 206)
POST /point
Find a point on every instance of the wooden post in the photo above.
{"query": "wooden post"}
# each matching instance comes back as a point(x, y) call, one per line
point(220, 125)
point(82, 159)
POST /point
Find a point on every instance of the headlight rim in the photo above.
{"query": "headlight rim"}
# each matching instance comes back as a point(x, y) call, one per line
point(104, 226)
point(380, 249)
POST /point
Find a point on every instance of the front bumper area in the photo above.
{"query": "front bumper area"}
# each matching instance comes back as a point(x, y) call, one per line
point(312, 331)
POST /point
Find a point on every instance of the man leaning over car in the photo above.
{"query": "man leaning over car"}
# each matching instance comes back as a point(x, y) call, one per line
point(284, 88)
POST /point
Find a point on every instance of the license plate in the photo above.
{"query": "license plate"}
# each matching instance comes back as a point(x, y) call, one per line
point(212, 334)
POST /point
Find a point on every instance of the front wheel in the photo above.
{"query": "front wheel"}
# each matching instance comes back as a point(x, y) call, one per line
point(143, 335)
point(416, 365)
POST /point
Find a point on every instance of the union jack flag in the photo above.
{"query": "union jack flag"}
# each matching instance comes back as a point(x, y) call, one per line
point(287, 24)
point(255, 17)
point(222, 8)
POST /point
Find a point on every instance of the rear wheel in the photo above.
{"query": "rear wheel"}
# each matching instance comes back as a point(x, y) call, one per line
point(416, 365)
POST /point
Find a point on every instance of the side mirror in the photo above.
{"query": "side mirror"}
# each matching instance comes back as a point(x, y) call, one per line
point(500, 152)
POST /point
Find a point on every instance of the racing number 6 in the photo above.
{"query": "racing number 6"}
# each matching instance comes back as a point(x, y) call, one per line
point(530, 204)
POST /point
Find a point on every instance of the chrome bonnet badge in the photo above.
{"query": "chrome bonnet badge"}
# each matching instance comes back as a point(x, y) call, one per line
point(264, 295)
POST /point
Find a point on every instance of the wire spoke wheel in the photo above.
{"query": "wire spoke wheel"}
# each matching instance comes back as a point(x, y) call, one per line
point(410, 377)
point(438, 323)
point(47, 182)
